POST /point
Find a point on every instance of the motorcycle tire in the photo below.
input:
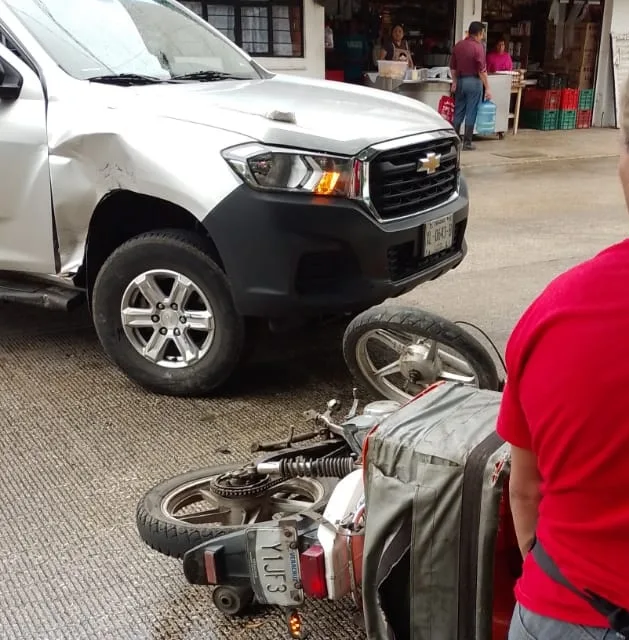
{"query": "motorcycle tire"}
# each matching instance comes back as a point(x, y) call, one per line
point(173, 537)
point(420, 323)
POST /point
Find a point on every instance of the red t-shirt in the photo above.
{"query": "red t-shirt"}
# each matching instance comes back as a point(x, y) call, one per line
point(468, 58)
point(567, 400)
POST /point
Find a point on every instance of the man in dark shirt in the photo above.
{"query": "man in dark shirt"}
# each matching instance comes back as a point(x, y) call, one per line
point(469, 75)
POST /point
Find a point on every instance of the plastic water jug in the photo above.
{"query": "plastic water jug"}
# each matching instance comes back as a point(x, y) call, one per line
point(486, 119)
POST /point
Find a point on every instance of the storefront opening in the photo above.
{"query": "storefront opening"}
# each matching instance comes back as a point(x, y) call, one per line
point(359, 33)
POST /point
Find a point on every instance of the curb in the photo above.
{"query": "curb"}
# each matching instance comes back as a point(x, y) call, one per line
point(504, 162)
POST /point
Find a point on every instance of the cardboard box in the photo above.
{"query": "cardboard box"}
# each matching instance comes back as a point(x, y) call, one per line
point(585, 36)
point(581, 79)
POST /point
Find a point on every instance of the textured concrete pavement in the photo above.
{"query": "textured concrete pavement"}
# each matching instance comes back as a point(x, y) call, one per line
point(80, 444)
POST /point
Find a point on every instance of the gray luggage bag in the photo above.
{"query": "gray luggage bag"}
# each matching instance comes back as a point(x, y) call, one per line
point(434, 475)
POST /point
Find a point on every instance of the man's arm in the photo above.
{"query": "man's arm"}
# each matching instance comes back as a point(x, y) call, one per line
point(524, 496)
point(481, 61)
point(512, 426)
point(485, 81)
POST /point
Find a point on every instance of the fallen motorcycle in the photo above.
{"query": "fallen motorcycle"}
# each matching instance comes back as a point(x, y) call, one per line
point(287, 525)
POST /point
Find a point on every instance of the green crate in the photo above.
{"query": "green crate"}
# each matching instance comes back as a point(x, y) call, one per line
point(586, 99)
point(542, 120)
point(567, 120)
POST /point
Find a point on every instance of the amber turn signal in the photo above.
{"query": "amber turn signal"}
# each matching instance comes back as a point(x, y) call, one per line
point(295, 625)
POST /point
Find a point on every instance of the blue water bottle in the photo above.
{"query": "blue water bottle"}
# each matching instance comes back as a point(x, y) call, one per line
point(486, 119)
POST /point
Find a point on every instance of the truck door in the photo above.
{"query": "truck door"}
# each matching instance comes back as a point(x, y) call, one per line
point(26, 217)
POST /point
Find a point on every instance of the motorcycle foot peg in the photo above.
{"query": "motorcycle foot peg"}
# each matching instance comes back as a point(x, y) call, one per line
point(232, 600)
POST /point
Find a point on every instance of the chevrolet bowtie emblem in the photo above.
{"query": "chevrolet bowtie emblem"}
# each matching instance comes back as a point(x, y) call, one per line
point(430, 163)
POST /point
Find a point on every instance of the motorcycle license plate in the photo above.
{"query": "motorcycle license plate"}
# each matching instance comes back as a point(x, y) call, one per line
point(273, 559)
point(438, 235)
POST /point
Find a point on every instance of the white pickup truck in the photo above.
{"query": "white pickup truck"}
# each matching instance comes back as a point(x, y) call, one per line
point(153, 169)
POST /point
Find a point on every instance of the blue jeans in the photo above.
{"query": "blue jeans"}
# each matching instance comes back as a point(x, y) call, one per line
point(467, 99)
point(526, 625)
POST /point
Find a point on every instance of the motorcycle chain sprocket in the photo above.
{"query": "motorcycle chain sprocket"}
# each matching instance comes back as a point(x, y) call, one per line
point(251, 491)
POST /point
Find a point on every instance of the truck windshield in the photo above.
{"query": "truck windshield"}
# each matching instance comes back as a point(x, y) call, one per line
point(149, 40)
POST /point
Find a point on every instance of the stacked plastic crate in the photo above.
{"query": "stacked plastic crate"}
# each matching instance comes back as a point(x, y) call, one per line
point(585, 106)
point(568, 107)
point(540, 108)
point(548, 109)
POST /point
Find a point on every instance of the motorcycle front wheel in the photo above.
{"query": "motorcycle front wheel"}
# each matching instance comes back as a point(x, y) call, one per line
point(182, 512)
point(395, 352)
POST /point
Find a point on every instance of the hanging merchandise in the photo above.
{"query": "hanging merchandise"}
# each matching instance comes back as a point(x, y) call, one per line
point(329, 37)
point(557, 15)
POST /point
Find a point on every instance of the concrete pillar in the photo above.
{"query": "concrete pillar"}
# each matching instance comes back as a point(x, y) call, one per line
point(615, 20)
point(604, 113)
point(467, 11)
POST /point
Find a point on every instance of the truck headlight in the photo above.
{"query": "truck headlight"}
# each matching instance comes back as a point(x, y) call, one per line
point(279, 169)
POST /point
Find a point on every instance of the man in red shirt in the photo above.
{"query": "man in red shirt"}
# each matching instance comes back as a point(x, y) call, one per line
point(468, 68)
point(565, 411)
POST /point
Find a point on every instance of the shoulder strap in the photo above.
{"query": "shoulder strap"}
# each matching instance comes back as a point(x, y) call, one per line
point(617, 617)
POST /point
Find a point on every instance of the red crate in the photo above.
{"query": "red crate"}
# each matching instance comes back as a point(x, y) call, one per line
point(584, 119)
point(542, 99)
point(569, 100)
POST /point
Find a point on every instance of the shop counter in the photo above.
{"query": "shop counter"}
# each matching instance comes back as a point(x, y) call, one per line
point(430, 91)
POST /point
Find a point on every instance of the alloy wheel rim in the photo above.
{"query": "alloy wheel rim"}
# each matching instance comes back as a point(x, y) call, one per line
point(428, 360)
point(194, 503)
point(167, 318)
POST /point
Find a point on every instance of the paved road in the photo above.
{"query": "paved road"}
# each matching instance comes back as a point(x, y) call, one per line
point(80, 443)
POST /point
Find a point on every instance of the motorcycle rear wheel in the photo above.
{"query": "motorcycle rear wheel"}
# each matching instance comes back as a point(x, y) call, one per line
point(166, 524)
point(426, 349)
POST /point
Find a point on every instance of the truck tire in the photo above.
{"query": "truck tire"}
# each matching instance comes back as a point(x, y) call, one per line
point(164, 313)
point(160, 530)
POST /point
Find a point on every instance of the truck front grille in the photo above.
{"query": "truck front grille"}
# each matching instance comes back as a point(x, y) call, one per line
point(398, 187)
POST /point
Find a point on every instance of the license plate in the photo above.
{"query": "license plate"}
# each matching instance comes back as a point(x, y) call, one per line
point(438, 235)
point(274, 565)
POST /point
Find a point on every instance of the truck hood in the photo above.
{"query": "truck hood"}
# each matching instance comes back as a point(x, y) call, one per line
point(328, 116)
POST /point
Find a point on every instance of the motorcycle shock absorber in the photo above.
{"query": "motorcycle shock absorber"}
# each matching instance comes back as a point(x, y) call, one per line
point(305, 468)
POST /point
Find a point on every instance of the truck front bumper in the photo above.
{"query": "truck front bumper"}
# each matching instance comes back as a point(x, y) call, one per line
point(290, 255)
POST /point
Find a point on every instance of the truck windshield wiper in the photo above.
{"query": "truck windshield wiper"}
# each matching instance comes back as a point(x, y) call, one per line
point(127, 79)
point(209, 76)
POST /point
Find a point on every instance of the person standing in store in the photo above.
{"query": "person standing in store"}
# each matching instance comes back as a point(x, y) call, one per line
point(468, 67)
point(397, 49)
point(499, 59)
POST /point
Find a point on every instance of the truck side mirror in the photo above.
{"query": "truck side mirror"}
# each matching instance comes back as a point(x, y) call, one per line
point(10, 82)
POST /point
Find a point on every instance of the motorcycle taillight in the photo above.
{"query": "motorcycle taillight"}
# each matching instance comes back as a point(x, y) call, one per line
point(211, 569)
point(312, 563)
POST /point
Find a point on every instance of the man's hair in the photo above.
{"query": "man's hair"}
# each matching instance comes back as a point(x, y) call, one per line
point(476, 28)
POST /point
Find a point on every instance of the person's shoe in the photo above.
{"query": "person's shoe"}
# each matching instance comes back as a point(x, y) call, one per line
point(467, 140)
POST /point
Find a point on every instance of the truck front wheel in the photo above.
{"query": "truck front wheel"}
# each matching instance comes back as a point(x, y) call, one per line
point(164, 313)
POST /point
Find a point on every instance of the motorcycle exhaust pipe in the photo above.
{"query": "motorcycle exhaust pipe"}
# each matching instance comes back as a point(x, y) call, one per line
point(304, 468)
